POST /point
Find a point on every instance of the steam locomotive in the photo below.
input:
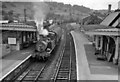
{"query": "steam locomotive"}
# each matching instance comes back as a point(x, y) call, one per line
point(47, 43)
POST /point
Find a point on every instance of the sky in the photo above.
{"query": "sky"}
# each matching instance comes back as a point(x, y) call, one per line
point(92, 4)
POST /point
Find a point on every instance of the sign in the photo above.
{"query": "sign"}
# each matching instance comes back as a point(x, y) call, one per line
point(11, 40)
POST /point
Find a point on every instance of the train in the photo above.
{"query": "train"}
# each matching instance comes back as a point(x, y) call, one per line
point(47, 43)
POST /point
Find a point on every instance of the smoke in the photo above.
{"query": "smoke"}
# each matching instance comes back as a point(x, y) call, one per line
point(41, 10)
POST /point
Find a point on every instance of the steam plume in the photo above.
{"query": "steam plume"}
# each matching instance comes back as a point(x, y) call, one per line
point(41, 9)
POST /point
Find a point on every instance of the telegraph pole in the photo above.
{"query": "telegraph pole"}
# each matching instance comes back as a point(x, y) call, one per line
point(25, 15)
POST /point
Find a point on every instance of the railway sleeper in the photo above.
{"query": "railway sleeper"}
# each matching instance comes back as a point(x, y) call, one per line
point(64, 68)
point(62, 78)
point(66, 61)
point(29, 78)
point(67, 52)
point(65, 65)
point(33, 73)
point(66, 56)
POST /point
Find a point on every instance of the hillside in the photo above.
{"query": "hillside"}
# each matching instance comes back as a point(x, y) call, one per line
point(17, 8)
point(69, 11)
point(56, 11)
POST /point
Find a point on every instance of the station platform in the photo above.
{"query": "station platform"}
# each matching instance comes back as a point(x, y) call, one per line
point(11, 60)
point(88, 67)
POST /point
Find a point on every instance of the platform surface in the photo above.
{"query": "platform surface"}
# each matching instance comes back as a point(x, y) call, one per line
point(11, 60)
point(88, 67)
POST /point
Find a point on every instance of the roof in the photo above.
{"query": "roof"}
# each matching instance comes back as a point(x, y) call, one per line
point(108, 32)
point(17, 27)
point(111, 19)
point(93, 27)
point(107, 27)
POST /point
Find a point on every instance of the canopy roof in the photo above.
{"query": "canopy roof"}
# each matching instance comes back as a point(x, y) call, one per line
point(17, 27)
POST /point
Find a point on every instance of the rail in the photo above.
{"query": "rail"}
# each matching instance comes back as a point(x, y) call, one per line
point(63, 68)
point(29, 74)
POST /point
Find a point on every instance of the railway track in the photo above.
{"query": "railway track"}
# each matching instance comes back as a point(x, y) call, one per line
point(33, 74)
point(29, 70)
point(35, 71)
point(64, 65)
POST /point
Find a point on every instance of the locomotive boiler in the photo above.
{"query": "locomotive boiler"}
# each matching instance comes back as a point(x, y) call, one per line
point(47, 43)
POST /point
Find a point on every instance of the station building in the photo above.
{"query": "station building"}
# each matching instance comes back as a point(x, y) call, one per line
point(16, 36)
point(106, 37)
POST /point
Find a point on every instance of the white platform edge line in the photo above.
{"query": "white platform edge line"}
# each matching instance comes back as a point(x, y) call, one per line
point(15, 67)
point(76, 56)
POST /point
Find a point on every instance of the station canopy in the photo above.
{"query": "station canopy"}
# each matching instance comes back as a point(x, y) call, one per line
point(110, 26)
point(17, 27)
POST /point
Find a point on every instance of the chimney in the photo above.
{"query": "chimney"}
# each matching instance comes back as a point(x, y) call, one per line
point(119, 17)
point(119, 5)
point(109, 8)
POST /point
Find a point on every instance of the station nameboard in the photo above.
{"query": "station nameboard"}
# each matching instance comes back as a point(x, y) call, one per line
point(11, 40)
